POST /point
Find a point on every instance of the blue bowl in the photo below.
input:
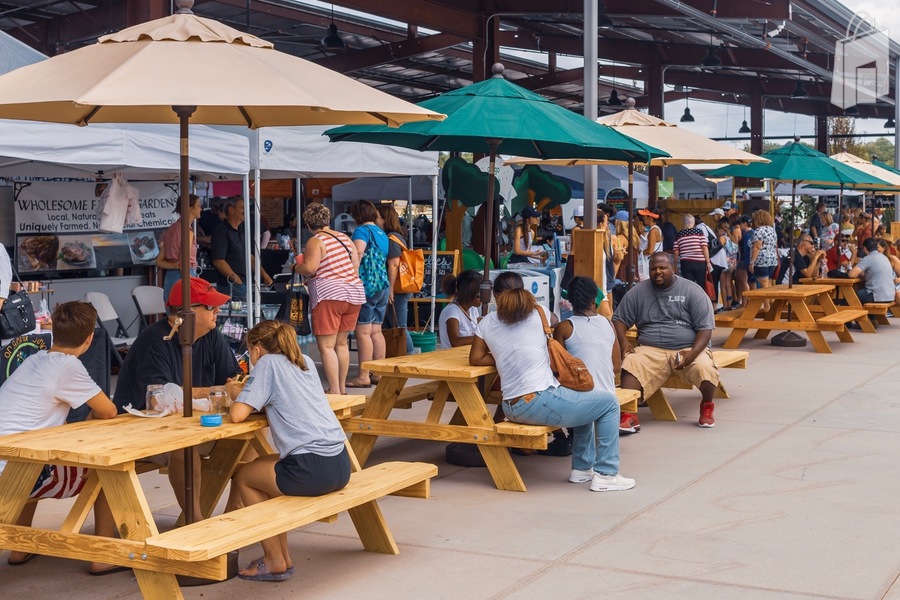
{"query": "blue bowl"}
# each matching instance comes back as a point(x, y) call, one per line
point(211, 420)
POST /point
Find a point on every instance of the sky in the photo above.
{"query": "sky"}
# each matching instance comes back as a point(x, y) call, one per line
point(718, 120)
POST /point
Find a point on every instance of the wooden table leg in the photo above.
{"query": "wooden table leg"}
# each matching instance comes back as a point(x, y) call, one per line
point(135, 522)
point(499, 463)
point(801, 309)
point(217, 470)
point(16, 483)
point(829, 308)
point(737, 334)
point(773, 315)
point(379, 406)
point(84, 501)
point(438, 403)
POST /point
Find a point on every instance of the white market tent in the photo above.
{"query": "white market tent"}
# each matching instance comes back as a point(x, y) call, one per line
point(15, 54)
point(53, 150)
point(303, 152)
point(689, 184)
point(416, 188)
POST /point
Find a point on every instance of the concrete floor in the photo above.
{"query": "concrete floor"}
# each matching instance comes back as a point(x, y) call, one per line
point(791, 495)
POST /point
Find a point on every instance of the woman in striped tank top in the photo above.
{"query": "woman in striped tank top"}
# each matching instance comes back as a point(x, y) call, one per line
point(331, 264)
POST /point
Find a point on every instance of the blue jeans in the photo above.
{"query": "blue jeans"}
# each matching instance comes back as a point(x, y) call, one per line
point(237, 292)
point(401, 305)
point(594, 416)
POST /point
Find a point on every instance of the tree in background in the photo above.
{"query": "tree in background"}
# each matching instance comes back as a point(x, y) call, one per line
point(882, 148)
point(841, 136)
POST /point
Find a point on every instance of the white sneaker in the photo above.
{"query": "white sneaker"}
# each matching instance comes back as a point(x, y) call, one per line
point(581, 476)
point(610, 483)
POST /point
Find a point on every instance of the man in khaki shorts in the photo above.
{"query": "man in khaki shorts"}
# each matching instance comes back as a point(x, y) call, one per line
point(674, 319)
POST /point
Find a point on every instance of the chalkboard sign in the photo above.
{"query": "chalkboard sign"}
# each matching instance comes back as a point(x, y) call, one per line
point(447, 264)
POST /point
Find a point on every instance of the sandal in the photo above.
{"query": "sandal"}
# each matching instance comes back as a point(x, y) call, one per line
point(263, 574)
point(357, 384)
point(21, 561)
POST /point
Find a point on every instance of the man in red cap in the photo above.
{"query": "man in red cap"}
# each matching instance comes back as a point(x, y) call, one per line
point(154, 360)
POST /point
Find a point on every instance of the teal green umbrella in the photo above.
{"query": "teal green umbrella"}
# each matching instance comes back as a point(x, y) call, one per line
point(797, 163)
point(496, 116)
point(885, 166)
point(801, 164)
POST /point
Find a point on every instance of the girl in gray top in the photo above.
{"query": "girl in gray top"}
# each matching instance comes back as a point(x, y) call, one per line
point(312, 459)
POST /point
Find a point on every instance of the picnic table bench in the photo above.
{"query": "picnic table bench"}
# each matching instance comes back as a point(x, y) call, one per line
point(847, 300)
point(659, 405)
point(111, 448)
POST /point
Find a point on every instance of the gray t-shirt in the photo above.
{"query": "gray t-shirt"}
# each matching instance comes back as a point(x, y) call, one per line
point(666, 318)
point(879, 276)
point(298, 412)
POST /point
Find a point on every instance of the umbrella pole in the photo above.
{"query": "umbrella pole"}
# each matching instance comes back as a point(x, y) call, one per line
point(186, 314)
point(488, 229)
point(632, 254)
point(789, 339)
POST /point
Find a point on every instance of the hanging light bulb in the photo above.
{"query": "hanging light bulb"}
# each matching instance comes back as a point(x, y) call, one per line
point(614, 98)
point(799, 91)
point(603, 20)
point(332, 41)
point(712, 59)
point(687, 117)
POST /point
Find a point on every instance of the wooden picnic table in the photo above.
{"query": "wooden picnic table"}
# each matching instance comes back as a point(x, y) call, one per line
point(111, 449)
point(844, 289)
point(799, 299)
point(473, 422)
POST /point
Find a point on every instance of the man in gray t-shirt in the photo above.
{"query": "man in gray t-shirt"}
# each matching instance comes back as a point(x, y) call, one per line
point(879, 275)
point(674, 319)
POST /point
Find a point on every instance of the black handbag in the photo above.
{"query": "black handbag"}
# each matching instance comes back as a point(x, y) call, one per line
point(17, 315)
point(295, 307)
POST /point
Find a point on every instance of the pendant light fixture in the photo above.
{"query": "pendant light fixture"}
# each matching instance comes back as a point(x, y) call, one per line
point(687, 117)
point(603, 20)
point(332, 41)
point(712, 60)
point(799, 91)
point(853, 111)
point(890, 124)
point(613, 94)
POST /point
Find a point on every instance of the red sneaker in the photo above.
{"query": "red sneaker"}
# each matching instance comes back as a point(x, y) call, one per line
point(628, 423)
point(706, 414)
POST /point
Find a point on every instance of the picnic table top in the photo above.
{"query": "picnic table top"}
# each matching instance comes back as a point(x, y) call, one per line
point(830, 280)
point(783, 292)
point(126, 438)
point(440, 364)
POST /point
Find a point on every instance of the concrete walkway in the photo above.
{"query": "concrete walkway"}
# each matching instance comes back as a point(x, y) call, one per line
point(792, 495)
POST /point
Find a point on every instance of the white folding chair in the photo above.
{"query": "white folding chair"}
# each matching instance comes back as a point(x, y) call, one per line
point(148, 299)
point(106, 314)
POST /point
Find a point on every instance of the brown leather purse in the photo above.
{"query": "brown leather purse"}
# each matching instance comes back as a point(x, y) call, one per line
point(570, 371)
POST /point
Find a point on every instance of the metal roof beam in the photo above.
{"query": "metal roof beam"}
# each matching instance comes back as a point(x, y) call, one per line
point(389, 53)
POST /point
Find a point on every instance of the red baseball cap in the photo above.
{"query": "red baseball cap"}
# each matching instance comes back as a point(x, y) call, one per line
point(202, 292)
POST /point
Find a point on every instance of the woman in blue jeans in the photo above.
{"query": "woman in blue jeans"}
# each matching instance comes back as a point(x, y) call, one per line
point(513, 340)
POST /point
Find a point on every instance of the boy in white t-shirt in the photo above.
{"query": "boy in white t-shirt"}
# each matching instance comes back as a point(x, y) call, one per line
point(39, 394)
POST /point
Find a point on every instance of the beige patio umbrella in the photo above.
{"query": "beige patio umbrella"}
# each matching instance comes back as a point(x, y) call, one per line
point(684, 147)
point(182, 69)
point(865, 166)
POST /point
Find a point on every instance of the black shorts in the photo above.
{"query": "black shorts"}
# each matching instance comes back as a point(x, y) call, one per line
point(311, 474)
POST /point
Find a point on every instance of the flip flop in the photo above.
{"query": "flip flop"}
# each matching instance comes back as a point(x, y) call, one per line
point(19, 563)
point(356, 384)
point(110, 571)
point(263, 574)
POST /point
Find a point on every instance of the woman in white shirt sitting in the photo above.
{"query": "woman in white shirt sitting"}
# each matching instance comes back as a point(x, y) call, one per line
point(459, 318)
point(513, 340)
